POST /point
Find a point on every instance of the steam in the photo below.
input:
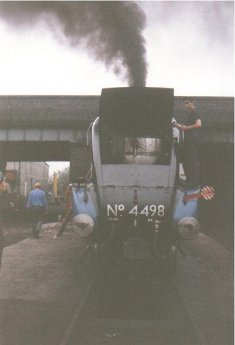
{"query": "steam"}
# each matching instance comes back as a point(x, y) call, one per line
point(111, 31)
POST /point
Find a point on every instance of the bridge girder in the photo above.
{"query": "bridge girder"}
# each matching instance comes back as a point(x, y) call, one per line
point(33, 151)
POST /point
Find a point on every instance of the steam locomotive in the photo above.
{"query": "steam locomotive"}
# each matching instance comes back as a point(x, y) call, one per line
point(137, 204)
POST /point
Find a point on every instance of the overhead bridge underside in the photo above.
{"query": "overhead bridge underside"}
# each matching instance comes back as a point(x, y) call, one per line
point(48, 144)
point(41, 144)
point(29, 151)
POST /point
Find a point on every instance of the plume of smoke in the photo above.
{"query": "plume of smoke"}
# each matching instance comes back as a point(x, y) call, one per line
point(110, 30)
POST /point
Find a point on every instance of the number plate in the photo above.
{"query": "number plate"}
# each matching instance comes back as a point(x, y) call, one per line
point(149, 211)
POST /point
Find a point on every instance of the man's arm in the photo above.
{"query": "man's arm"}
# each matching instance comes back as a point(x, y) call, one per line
point(197, 124)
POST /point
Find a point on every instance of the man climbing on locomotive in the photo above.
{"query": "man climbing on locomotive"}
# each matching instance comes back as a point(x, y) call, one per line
point(189, 151)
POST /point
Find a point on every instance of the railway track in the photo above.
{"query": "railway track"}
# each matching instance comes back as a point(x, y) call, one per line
point(108, 305)
point(117, 310)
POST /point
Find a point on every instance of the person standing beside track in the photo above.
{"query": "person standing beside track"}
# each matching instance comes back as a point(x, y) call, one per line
point(189, 151)
point(37, 204)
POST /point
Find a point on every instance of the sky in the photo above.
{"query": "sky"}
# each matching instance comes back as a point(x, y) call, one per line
point(188, 44)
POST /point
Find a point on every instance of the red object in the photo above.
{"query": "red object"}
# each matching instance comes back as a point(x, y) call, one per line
point(206, 193)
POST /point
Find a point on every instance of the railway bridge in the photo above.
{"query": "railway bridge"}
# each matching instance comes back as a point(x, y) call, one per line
point(55, 128)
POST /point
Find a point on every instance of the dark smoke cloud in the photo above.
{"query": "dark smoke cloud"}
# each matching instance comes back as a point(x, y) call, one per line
point(110, 30)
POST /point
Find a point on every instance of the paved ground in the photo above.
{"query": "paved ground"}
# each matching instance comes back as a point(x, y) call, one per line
point(205, 284)
point(42, 281)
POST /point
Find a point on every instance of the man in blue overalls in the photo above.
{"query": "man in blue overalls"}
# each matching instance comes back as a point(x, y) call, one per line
point(37, 203)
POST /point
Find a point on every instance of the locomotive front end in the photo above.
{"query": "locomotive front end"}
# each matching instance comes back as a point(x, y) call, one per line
point(135, 165)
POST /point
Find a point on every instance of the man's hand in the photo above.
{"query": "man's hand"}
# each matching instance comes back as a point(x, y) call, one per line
point(179, 126)
point(183, 127)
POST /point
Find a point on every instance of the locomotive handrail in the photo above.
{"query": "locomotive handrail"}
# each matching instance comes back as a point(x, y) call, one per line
point(87, 133)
